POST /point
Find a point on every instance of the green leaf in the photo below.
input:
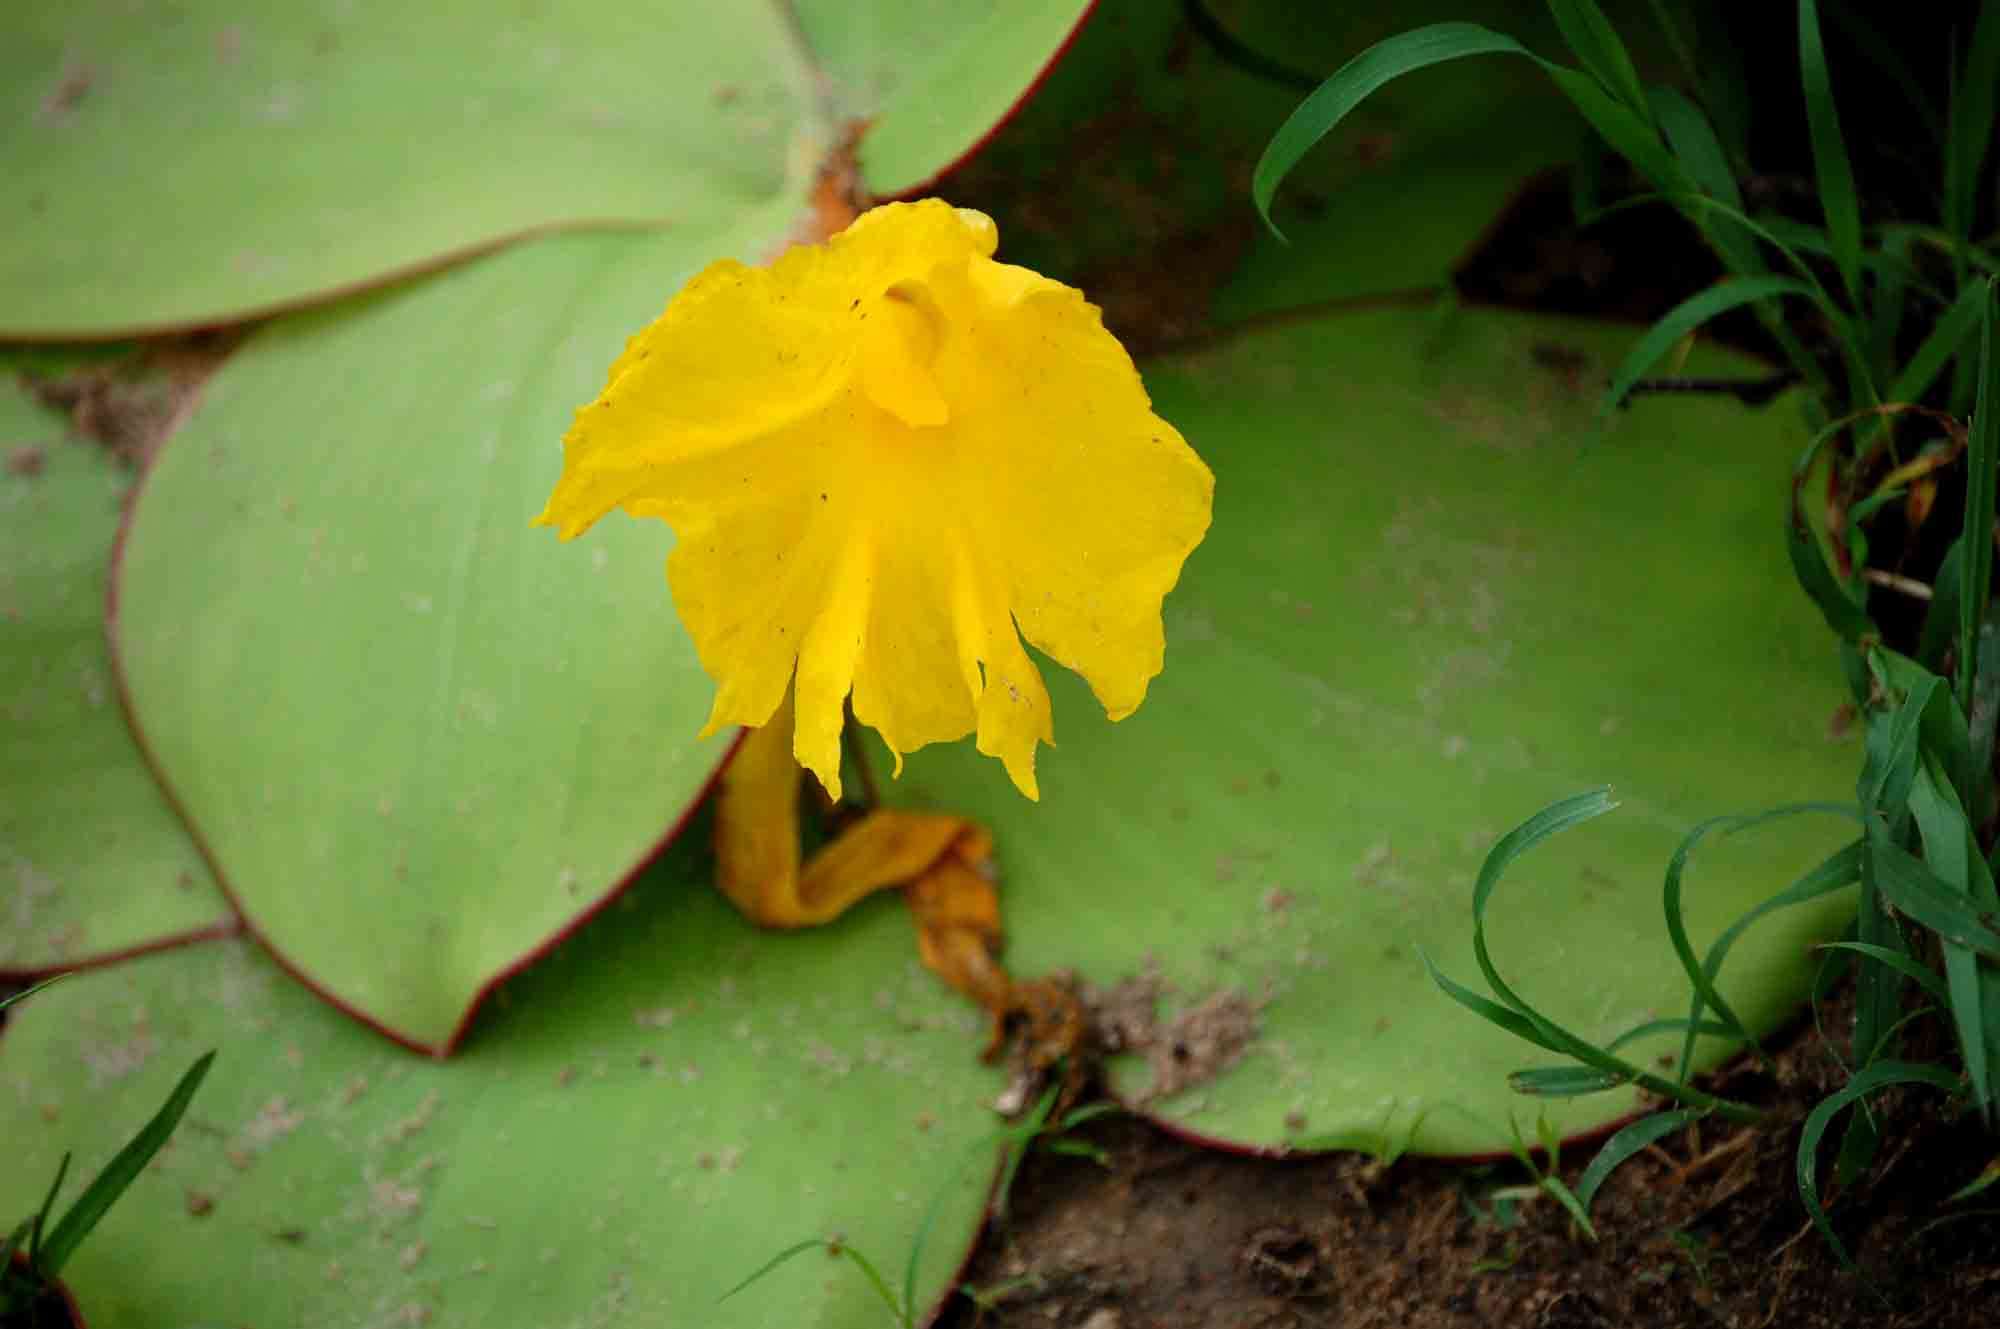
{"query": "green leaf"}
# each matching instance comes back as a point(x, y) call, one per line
point(1354, 82)
point(1596, 43)
point(1383, 657)
point(1982, 462)
point(1691, 313)
point(1946, 339)
point(1925, 720)
point(1903, 964)
point(933, 81)
point(1841, 869)
point(1647, 1028)
point(1693, 141)
point(1565, 1081)
point(1880, 1076)
point(11, 1279)
point(93, 861)
point(1831, 875)
point(1952, 852)
point(1971, 132)
point(422, 740)
point(266, 158)
point(270, 157)
point(27, 992)
point(39, 1223)
point(661, 1103)
point(1715, 68)
point(1630, 1140)
point(119, 1174)
point(1837, 195)
point(1878, 989)
point(1920, 893)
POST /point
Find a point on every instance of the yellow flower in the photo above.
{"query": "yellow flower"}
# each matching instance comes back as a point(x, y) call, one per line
point(886, 459)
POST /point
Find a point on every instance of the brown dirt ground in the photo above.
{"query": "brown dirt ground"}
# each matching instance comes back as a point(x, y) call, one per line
point(1706, 1228)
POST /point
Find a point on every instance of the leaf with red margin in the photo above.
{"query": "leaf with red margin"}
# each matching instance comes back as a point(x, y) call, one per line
point(418, 743)
point(661, 1105)
point(245, 159)
point(933, 90)
point(1438, 595)
point(418, 740)
point(94, 865)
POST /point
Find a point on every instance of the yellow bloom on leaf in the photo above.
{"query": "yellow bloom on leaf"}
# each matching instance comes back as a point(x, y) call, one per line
point(887, 459)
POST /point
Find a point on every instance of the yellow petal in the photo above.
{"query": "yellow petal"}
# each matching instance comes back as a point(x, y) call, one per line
point(827, 658)
point(887, 460)
point(1101, 500)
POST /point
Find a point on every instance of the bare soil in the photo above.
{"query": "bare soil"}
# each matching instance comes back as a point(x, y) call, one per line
point(1706, 1228)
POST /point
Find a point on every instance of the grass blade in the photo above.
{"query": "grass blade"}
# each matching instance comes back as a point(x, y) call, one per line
point(1832, 874)
point(1837, 196)
point(39, 1223)
point(9, 1244)
point(1921, 894)
point(1982, 456)
point(1670, 1025)
point(1596, 43)
point(1951, 851)
point(1944, 730)
point(31, 990)
point(1947, 336)
point(790, 1252)
point(122, 1170)
point(1627, 1142)
point(1693, 140)
point(1485, 1008)
point(1353, 83)
point(1905, 965)
point(1891, 766)
point(1878, 991)
point(1631, 132)
point(1690, 314)
point(1971, 133)
point(1564, 1081)
point(1882, 1075)
point(1893, 279)
point(1514, 1014)
point(1941, 621)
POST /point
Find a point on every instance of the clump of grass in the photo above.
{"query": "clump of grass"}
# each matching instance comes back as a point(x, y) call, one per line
point(26, 1283)
point(1927, 920)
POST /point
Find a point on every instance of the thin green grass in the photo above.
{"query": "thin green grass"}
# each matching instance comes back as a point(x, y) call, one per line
point(1927, 912)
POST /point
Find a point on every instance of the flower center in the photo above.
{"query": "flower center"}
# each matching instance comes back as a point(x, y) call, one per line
point(899, 350)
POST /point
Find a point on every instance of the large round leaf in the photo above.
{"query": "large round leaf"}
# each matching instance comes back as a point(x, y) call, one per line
point(93, 862)
point(1437, 596)
point(230, 158)
point(417, 738)
point(663, 1104)
point(933, 89)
